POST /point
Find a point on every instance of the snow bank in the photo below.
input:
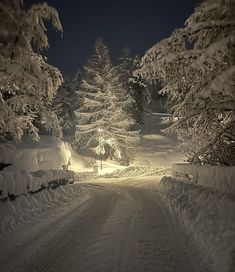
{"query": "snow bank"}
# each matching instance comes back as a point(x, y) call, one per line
point(27, 208)
point(137, 171)
point(209, 216)
point(48, 153)
point(14, 184)
point(219, 177)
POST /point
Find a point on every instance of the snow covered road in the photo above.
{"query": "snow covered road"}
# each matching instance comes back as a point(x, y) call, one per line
point(113, 227)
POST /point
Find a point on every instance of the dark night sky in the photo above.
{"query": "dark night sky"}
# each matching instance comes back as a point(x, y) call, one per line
point(138, 24)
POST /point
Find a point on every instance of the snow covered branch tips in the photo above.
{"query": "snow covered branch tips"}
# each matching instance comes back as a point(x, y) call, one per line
point(103, 121)
point(28, 83)
point(196, 67)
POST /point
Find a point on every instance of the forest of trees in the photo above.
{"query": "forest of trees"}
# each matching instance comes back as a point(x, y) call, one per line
point(103, 107)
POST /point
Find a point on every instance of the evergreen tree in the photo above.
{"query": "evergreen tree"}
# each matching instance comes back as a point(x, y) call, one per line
point(65, 104)
point(103, 122)
point(196, 66)
point(135, 88)
point(28, 83)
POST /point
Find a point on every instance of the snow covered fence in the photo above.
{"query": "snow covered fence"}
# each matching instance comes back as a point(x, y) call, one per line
point(218, 177)
point(27, 208)
point(14, 184)
point(207, 214)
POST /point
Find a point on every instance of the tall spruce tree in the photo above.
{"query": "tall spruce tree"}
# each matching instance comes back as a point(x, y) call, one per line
point(134, 87)
point(102, 119)
point(65, 104)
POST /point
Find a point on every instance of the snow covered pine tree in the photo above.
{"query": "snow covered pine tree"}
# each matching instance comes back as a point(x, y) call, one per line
point(196, 68)
point(28, 82)
point(103, 122)
point(135, 88)
point(65, 103)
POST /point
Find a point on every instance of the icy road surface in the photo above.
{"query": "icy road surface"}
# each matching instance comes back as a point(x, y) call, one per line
point(113, 227)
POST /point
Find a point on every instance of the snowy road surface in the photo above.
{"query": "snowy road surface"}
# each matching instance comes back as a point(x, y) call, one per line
point(113, 227)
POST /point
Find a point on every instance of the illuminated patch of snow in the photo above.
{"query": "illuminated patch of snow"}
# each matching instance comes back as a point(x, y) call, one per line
point(48, 153)
point(138, 171)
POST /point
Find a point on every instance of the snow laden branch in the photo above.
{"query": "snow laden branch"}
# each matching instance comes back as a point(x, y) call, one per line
point(28, 82)
point(195, 67)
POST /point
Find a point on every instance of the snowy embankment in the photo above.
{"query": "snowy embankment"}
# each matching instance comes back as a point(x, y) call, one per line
point(219, 177)
point(27, 208)
point(48, 153)
point(209, 215)
point(137, 171)
point(13, 184)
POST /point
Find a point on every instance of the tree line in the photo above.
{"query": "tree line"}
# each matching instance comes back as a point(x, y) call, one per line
point(103, 106)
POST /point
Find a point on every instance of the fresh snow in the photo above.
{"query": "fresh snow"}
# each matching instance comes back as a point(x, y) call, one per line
point(107, 226)
point(156, 149)
point(217, 177)
point(209, 215)
point(47, 153)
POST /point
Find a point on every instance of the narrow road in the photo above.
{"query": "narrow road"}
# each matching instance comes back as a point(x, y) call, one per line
point(118, 228)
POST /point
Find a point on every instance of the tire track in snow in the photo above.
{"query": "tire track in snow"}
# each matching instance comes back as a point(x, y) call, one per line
point(122, 229)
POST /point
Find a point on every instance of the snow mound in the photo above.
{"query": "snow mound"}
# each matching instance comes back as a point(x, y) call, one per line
point(27, 208)
point(209, 215)
point(137, 171)
point(48, 153)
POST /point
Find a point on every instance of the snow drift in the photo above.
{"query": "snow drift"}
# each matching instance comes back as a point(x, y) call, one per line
point(27, 208)
point(13, 184)
point(209, 215)
point(48, 153)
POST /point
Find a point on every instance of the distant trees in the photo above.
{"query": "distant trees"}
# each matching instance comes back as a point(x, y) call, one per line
point(103, 120)
point(66, 102)
point(28, 83)
point(195, 66)
point(135, 88)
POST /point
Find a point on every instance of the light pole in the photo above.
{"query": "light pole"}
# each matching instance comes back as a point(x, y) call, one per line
point(100, 130)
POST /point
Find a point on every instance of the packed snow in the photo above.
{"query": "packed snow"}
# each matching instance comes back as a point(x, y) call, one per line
point(109, 226)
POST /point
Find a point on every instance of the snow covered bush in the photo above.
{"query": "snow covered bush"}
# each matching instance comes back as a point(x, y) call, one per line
point(28, 82)
point(196, 67)
point(103, 122)
point(209, 216)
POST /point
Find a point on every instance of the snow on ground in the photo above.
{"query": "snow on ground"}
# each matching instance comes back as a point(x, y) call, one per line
point(137, 171)
point(120, 227)
point(157, 149)
point(27, 208)
point(48, 153)
point(209, 215)
point(13, 184)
